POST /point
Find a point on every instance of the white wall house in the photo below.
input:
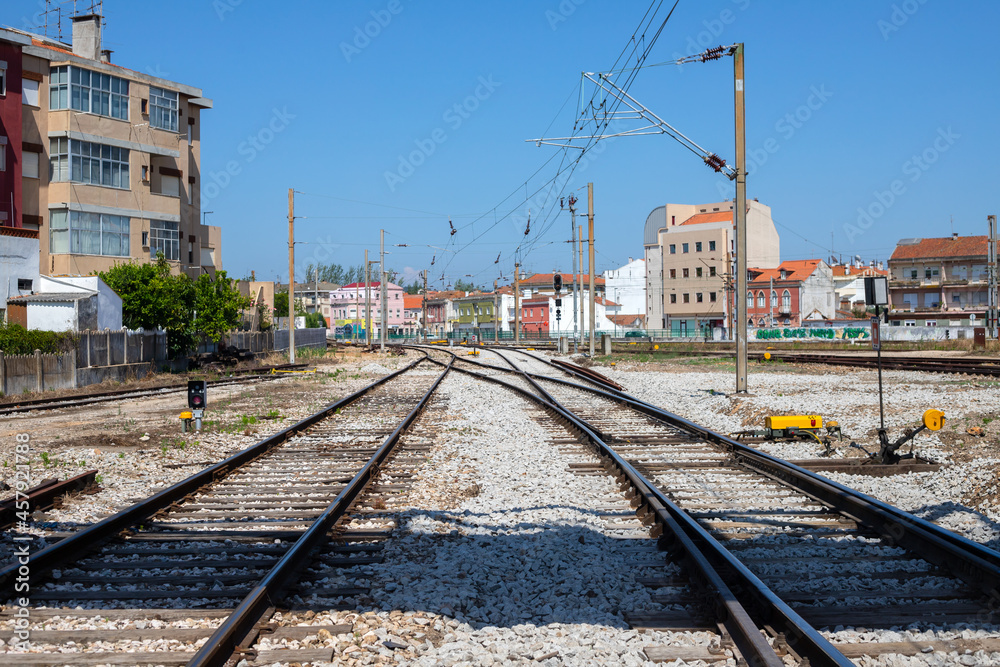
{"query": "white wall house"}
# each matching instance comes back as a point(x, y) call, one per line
point(18, 264)
point(70, 304)
point(626, 286)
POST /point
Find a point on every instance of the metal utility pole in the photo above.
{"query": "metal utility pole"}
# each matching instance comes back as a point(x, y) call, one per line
point(517, 302)
point(579, 252)
point(496, 314)
point(590, 243)
point(291, 276)
point(740, 215)
point(993, 331)
point(368, 302)
point(423, 322)
point(771, 299)
point(383, 292)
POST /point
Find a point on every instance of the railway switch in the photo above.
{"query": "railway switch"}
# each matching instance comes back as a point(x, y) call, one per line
point(933, 420)
point(795, 427)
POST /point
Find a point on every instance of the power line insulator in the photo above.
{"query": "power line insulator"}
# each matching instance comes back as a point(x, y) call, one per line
point(715, 162)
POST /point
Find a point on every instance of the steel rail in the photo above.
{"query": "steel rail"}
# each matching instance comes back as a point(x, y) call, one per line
point(976, 564)
point(240, 624)
point(100, 396)
point(970, 561)
point(685, 531)
point(83, 541)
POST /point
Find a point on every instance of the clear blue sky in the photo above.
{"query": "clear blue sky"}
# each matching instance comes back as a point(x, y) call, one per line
point(887, 81)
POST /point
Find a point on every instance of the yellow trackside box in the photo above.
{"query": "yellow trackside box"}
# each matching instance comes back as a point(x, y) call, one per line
point(794, 421)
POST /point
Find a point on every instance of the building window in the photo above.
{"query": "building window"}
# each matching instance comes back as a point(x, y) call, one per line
point(673, 274)
point(913, 274)
point(711, 297)
point(3, 153)
point(687, 298)
point(697, 272)
point(24, 284)
point(698, 297)
point(89, 163)
point(749, 299)
point(3, 78)
point(697, 246)
point(761, 302)
point(711, 271)
point(786, 301)
point(165, 237)
point(931, 274)
point(684, 248)
point(711, 245)
point(81, 233)
point(89, 92)
point(673, 249)
point(673, 298)
point(29, 93)
point(774, 299)
point(685, 272)
point(163, 109)
point(29, 164)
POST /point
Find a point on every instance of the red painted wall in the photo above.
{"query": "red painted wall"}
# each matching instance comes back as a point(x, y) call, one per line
point(538, 319)
point(10, 127)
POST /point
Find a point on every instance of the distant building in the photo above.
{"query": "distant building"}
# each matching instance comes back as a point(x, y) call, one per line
point(109, 158)
point(627, 286)
point(939, 281)
point(849, 283)
point(690, 256)
point(792, 294)
point(314, 297)
point(349, 304)
point(412, 314)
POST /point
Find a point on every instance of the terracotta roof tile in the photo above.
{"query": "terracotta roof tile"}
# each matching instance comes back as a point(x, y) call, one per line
point(840, 271)
point(715, 216)
point(962, 246)
point(798, 269)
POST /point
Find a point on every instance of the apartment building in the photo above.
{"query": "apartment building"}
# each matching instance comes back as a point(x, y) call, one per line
point(690, 254)
point(627, 286)
point(350, 303)
point(110, 163)
point(939, 281)
point(849, 282)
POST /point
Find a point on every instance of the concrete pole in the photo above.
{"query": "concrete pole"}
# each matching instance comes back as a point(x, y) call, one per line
point(517, 303)
point(384, 311)
point(590, 244)
point(740, 215)
point(991, 268)
point(579, 251)
point(423, 322)
point(291, 276)
point(368, 303)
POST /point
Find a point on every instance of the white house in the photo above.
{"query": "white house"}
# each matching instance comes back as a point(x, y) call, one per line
point(68, 303)
point(626, 286)
point(18, 264)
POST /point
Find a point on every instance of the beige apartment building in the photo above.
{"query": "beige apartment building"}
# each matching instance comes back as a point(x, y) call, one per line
point(111, 161)
point(689, 258)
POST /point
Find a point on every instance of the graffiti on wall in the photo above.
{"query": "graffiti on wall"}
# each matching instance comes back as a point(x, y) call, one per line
point(847, 333)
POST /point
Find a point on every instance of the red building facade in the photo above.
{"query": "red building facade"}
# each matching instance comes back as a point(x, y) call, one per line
point(10, 127)
point(535, 316)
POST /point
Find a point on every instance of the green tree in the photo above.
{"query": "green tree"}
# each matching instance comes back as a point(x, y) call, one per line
point(218, 305)
point(281, 305)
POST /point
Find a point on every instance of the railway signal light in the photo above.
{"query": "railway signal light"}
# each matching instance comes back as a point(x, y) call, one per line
point(197, 394)
point(557, 282)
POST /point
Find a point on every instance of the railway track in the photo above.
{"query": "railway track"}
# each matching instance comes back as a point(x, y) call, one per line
point(294, 520)
point(247, 376)
point(806, 555)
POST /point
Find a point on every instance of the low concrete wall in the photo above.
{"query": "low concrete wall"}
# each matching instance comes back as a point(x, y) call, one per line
point(36, 372)
point(303, 338)
point(119, 373)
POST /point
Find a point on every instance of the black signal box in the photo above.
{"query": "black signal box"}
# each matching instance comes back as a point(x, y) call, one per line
point(197, 394)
